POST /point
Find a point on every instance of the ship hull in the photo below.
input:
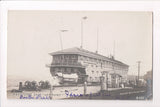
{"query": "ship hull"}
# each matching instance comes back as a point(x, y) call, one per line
point(64, 76)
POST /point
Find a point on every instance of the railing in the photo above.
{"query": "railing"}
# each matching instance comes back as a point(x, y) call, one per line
point(66, 62)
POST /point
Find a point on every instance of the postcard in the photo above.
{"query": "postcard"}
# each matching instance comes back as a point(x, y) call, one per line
point(91, 55)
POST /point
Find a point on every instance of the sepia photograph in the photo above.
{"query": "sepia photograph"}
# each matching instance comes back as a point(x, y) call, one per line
point(80, 55)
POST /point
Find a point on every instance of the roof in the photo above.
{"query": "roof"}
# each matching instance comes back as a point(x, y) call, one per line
point(75, 66)
point(87, 53)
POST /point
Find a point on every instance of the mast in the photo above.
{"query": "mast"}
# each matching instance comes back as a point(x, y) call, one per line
point(97, 39)
point(61, 30)
point(114, 49)
point(83, 18)
point(60, 36)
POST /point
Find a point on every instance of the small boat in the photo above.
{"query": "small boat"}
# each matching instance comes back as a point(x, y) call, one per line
point(67, 78)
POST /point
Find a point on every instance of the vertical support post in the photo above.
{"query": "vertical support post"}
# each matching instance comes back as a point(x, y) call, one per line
point(85, 88)
point(103, 83)
point(139, 62)
point(97, 40)
point(60, 36)
point(51, 93)
point(107, 81)
point(20, 86)
point(83, 18)
point(114, 49)
point(81, 33)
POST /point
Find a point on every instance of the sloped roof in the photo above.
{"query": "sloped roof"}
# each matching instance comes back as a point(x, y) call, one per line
point(87, 53)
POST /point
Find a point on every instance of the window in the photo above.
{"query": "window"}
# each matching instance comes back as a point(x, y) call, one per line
point(81, 57)
point(70, 57)
point(67, 57)
point(73, 56)
point(97, 72)
point(92, 60)
point(87, 58)
point(68, 70)
point(101, 73)
point(92, 72)
point(97, 61)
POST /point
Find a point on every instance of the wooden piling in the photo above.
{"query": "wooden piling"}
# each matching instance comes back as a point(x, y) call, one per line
point(51, 93)
point(85, 88)
point(20, 86)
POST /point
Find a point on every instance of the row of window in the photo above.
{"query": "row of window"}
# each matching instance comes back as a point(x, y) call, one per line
point(97, 72)
point(94, 78)
point(67, 70)
point(107, 66)
point(60, 57)
point(102, 63)
point(96, 62)
point(109, 77)
point(65, 62)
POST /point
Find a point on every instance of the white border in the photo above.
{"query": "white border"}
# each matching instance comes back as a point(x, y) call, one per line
point(80, 5)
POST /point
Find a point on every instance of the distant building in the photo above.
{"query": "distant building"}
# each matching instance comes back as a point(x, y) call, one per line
point(88, 66)
point(133, 79)
point(148, 75)
point(149, 79)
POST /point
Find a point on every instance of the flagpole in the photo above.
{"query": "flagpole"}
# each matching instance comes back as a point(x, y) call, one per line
point(97, 39)
point(60, 36)
point(83, 18)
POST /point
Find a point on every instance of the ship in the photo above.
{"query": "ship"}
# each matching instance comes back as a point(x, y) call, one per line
point(77, 65)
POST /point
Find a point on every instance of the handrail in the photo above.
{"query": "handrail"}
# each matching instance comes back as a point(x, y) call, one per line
point(66, 62)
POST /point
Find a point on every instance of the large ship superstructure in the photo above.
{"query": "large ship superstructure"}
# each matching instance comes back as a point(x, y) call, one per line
point(76, 65)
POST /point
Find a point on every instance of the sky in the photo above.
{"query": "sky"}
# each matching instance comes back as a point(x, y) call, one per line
point(32, 35)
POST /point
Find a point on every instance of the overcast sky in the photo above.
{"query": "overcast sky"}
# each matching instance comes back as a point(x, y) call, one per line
point(34, 34)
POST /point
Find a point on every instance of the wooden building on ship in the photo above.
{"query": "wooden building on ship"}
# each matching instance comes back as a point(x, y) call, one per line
point(76, 65)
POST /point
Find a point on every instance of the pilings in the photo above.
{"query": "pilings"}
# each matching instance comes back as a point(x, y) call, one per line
point(20, 86)
point(51, 93)
point(85, 88)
